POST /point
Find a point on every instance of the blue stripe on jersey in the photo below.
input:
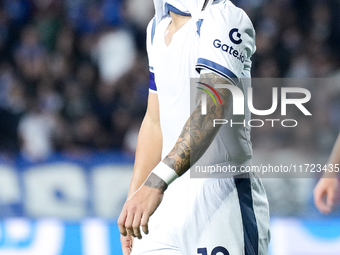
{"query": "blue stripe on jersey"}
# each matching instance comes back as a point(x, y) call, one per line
point(198, 25)
point(153, 30)
point(169, 7)
point(250, 231)
point(152, 82)
point(221, 70)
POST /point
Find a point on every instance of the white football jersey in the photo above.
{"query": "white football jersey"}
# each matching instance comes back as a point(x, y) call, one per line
point(223, 42)
point(205, 215)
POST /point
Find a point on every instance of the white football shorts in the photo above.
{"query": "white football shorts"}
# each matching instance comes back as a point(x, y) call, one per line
point(209, 217)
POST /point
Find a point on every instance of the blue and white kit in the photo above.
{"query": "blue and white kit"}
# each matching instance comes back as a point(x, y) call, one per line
point(204, 215)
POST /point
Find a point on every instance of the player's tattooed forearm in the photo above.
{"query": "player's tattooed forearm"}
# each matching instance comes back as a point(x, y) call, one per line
point(156, 182)
point(179, 157)
point(198, 132)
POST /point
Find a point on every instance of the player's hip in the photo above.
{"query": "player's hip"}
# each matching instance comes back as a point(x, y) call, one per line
point(231, 213)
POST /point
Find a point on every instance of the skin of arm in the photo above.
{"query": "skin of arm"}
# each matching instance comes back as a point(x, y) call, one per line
point(326, 189)
point(149, 145)
point(195, 138)
point(148, 155)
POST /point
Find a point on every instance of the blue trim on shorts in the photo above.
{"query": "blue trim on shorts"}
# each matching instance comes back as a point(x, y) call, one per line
point(152, 82)
point(217, 68)
point(250, 231)
point(169, 7)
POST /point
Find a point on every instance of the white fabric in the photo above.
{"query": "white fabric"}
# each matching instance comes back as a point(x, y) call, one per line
point(216, 44)
point(175, 64)
point(180, 5)
point(163, 171)
point(219, 22)
point(172, 76)
point(194, 7)
point(199, 213)
point(196, 215)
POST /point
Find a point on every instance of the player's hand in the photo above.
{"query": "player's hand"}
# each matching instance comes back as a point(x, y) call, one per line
point(127, 243)
point(325, 194)
point(137, 210)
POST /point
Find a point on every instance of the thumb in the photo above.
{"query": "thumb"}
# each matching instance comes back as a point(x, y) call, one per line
point(127, 243)
point(126, 250)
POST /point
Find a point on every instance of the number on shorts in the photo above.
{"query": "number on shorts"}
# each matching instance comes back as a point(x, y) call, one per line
point(218, 249)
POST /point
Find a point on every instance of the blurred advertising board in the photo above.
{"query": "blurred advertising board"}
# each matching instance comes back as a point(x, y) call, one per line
point(94, 236)
point(66, 187)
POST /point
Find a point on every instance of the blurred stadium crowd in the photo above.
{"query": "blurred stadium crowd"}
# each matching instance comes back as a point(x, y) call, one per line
point(74, 73)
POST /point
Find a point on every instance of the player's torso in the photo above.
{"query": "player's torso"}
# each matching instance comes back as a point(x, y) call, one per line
point(174, 65)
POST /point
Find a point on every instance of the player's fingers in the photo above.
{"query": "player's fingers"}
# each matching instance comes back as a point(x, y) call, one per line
point(121, 223)
point(131, 244)
point(136, 225)
point(144, 223)
point(128, 223)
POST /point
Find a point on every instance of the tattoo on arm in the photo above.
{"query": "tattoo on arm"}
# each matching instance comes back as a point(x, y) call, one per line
point(198, 132)
point(153, 181)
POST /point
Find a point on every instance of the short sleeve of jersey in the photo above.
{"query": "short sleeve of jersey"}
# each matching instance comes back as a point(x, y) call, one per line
point(150, 32)
point(227, 41)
